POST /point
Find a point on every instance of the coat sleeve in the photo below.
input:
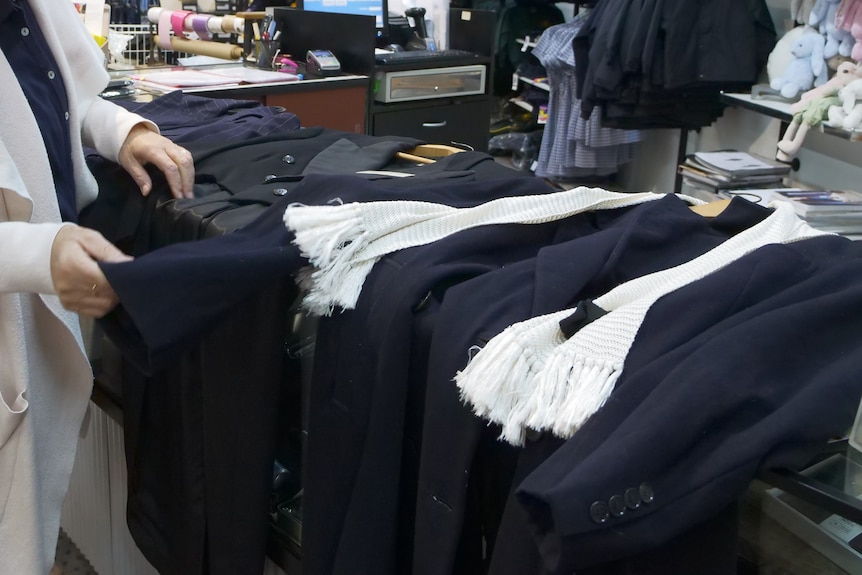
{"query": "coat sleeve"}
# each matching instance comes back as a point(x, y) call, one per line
point(683, 434)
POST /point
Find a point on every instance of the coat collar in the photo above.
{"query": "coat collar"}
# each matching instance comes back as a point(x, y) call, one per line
point(6, 8)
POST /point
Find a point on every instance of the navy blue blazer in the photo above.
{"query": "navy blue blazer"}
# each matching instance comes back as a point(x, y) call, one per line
point(372, 419)
point(206, 320)
point(610, 250)
point(754, 367)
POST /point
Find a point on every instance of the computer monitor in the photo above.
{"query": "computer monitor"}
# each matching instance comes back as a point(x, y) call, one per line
point(376, 8)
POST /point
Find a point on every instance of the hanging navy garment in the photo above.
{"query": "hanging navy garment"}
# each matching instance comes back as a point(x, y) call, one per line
point(642, 60)
point(221, 397)
point(173, 295)
point(199, 281)
point(364, 369)
point(367, 394)
point(139, 224)
point(759, 372)
point(603, 251)
point(705, 516)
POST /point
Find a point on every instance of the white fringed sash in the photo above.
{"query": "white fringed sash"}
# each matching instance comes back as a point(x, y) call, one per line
point(530, 376)
point(343, 242)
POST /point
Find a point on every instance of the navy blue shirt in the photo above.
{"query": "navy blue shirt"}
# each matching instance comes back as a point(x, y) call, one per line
point(24, 45)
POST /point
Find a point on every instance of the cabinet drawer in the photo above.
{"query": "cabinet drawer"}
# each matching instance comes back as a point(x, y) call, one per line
point(424, 84)
point(460, 122)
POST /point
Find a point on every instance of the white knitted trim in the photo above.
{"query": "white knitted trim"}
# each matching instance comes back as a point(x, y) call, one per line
point(491, 381)
point(344, 242)
point(560, 383)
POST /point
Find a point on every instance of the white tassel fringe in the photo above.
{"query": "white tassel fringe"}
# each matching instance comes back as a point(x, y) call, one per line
point(498, 381)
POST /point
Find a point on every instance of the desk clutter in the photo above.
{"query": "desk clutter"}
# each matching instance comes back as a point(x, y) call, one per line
point(187, 31)
point(168, 34)
point(165, 35)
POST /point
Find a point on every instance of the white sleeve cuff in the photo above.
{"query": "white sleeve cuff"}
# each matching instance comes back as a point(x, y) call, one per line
point(25, 257)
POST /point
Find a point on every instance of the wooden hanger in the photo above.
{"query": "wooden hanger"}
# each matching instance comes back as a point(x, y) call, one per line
point(711, 209)
point(427, 153)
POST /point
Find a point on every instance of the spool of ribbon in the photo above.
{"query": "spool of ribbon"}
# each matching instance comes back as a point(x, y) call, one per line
point(200, 26)
point(215, 24)
point(163, 35)
point(233, 24)
point(178, 22)
point(228, 23)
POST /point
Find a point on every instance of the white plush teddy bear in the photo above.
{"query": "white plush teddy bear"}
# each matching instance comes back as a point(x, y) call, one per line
point(849, 114)
point(806, 70)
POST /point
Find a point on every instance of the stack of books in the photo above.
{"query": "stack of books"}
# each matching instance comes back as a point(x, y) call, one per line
point(731, 169)
point(838, 211)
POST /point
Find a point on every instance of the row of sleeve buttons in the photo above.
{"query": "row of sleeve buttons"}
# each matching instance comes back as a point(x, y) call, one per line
point(619, 505)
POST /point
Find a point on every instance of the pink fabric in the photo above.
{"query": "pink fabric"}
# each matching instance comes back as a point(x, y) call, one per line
point(849, 17)
point(844, 15)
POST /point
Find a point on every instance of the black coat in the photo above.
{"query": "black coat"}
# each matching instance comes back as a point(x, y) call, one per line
point(203, 323)
point(601, 251)
point(753, 367)
point(663, 64)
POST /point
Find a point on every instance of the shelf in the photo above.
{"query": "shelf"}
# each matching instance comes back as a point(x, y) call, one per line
point(522, 104)
point(543, 110)
point(541, 83)
point(835, 492)
point(781, 111)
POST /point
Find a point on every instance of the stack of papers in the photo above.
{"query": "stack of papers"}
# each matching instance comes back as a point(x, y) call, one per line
point(731, 169)
point(178, 79)
point(838, 211)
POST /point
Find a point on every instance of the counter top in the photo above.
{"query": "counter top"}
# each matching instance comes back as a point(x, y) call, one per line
point(240, 89)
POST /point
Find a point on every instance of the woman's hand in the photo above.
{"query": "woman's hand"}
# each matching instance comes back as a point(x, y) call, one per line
point(144, 146)
point(78, 280)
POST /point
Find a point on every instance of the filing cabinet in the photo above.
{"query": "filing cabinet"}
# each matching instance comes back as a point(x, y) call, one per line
point(444, 102)
point(463, 120)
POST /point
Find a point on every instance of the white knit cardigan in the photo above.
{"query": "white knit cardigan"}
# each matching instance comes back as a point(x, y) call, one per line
point(45, 376)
